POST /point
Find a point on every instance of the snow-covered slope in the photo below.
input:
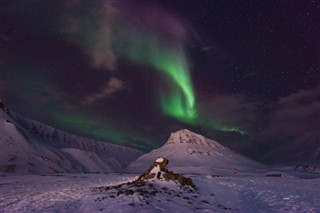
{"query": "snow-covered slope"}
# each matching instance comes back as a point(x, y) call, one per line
point(28, 146)
point(87, 193)
point(189, 152)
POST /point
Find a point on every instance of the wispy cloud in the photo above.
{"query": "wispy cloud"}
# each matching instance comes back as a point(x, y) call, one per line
point(114, 85)
point(287, 129)
point(294, 127)
point(92, 31)
point(230, 111)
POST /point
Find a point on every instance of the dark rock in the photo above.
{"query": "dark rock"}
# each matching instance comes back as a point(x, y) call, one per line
point(119, 192)
point(153, 193)
point(159, 171)
point(145, 187)
point(149, 176)
point(274, 175)
point(129, 192)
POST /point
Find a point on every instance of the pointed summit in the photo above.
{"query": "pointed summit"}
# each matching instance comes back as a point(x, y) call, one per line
point(185, 136)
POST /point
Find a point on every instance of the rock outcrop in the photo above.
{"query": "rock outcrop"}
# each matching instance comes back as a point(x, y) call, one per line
point(158, 171)
point(153, 186)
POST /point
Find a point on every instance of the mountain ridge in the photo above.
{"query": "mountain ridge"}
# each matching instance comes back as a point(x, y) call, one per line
point(28, 146)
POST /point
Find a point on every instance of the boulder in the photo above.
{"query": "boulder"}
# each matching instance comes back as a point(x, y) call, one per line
point(158, 171)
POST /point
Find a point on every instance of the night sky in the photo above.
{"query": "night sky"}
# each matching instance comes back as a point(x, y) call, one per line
point(244, 73)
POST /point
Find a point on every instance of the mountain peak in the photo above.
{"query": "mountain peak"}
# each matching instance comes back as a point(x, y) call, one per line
point(185, 136)
point(190, 152)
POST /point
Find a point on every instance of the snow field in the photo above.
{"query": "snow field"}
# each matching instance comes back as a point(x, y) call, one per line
point(76, 193)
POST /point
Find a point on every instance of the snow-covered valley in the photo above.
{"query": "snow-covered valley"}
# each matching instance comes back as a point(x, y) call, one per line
point(249, 192)
point(47, 170)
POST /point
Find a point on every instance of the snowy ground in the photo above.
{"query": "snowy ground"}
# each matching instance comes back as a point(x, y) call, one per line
point(254, 192)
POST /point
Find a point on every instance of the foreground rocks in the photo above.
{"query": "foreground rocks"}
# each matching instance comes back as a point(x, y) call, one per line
point(159, 172)
point(150, 194)
point(157, 182)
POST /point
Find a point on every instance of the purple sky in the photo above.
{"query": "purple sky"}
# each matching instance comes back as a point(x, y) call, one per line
point(99, 69)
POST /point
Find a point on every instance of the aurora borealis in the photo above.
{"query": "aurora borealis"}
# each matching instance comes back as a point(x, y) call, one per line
point(179, 101)
point(244, 73)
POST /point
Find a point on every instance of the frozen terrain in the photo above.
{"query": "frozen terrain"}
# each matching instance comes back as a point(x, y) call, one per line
point(46, 170)
point(258, 191)
point(30, 147)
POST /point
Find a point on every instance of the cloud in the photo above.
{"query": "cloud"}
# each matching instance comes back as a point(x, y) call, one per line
point(92, 31)
point(230, 111)
point(114, 85)
point(293, 130)
point(284, 130)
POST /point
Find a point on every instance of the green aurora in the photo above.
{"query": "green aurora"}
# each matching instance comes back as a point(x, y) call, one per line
point(170, 59)
point(103, 131)
point(176, 97)
point(179, 102)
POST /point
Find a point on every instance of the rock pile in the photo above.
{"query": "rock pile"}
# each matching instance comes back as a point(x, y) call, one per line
point(140, 193)
point(153, 187)
point(158, 171)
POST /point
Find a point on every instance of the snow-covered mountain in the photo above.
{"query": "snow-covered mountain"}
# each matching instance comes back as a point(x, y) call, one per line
point(28, 146)
point(189, 152)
